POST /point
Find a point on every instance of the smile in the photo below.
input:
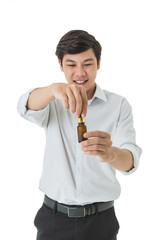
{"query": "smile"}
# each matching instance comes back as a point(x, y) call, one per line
point(81, 82)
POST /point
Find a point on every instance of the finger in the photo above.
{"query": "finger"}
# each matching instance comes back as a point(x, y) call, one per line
point(97, 134)
point(84, 102)
point(65, 101)
point(71, 100)
point(93, 141)
point(94, 148)
point(78, 100)
point(98, 141)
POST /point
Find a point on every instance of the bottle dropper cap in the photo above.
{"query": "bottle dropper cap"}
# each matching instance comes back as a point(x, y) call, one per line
point(80, 119)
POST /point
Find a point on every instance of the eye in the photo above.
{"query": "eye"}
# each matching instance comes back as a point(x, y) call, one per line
point(87, 64)
point(71, 65)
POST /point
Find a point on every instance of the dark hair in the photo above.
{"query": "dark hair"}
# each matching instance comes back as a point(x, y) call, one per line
point(77, 41)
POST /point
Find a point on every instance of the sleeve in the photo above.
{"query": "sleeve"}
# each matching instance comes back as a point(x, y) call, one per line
point(125, 136)
point(39, 117)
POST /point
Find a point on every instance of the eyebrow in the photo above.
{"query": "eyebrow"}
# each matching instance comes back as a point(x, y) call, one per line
point(89, 59)
point(86, 60)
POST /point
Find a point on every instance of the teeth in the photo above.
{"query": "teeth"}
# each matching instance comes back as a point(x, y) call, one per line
point(80, 81)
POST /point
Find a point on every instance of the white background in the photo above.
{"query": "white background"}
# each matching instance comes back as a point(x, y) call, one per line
point(129, 32)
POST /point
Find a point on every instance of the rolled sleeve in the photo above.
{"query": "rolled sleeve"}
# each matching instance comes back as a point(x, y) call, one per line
point(125, 136)
point(136, 152)
point(39, 117)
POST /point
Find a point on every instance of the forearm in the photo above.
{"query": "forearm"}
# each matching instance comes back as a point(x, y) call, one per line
point(40, 98)
point(121, 159)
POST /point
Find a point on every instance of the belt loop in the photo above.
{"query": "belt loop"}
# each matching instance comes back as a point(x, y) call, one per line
point(55, 207)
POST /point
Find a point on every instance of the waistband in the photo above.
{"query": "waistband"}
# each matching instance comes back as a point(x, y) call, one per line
point(78, 211)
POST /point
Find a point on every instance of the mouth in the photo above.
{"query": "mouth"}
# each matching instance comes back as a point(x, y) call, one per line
point(80, 82)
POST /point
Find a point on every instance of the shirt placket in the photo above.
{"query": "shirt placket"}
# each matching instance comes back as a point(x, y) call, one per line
point(79, 164)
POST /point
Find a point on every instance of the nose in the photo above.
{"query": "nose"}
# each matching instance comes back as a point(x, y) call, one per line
point(80, 72)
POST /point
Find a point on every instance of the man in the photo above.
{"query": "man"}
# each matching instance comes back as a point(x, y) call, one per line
point(78, 179)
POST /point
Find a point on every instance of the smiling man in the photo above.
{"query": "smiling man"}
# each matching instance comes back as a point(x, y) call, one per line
point(79, 180)
point(81, 69)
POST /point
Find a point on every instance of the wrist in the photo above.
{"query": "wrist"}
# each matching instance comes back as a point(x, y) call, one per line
point(111, 155)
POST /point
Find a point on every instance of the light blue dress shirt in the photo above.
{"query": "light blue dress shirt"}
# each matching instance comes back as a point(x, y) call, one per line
point(69, 176)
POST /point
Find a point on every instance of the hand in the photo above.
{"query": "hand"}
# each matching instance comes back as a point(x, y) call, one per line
point(73, 97)
point(100, 145)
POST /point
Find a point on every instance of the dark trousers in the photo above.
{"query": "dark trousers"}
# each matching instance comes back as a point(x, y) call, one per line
point(52, 225)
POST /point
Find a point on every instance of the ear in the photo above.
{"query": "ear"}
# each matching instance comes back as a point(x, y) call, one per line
point(98, 67)
point(61, 67)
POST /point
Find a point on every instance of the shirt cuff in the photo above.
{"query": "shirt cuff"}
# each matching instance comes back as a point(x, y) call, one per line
point(22, 103)
point(39, 117)
point(136, 152)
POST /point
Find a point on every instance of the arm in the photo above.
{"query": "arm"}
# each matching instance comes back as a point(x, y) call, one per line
point(123, 154)
point(101, 146)
point(121, 159)
point(73, 97)
point(40, 98)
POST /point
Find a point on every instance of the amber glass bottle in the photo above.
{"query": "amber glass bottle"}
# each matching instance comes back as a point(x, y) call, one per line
point(81, 129)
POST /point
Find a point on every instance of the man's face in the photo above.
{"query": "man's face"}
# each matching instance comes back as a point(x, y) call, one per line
point(81, 69)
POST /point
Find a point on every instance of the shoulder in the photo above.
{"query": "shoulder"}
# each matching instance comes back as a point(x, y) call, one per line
point(117, 100)
point(111, 96)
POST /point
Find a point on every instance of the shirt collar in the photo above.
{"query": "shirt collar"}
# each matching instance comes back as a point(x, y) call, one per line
point(98, 94)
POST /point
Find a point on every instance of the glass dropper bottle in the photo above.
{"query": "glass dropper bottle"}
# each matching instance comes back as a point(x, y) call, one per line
point(81, 129)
